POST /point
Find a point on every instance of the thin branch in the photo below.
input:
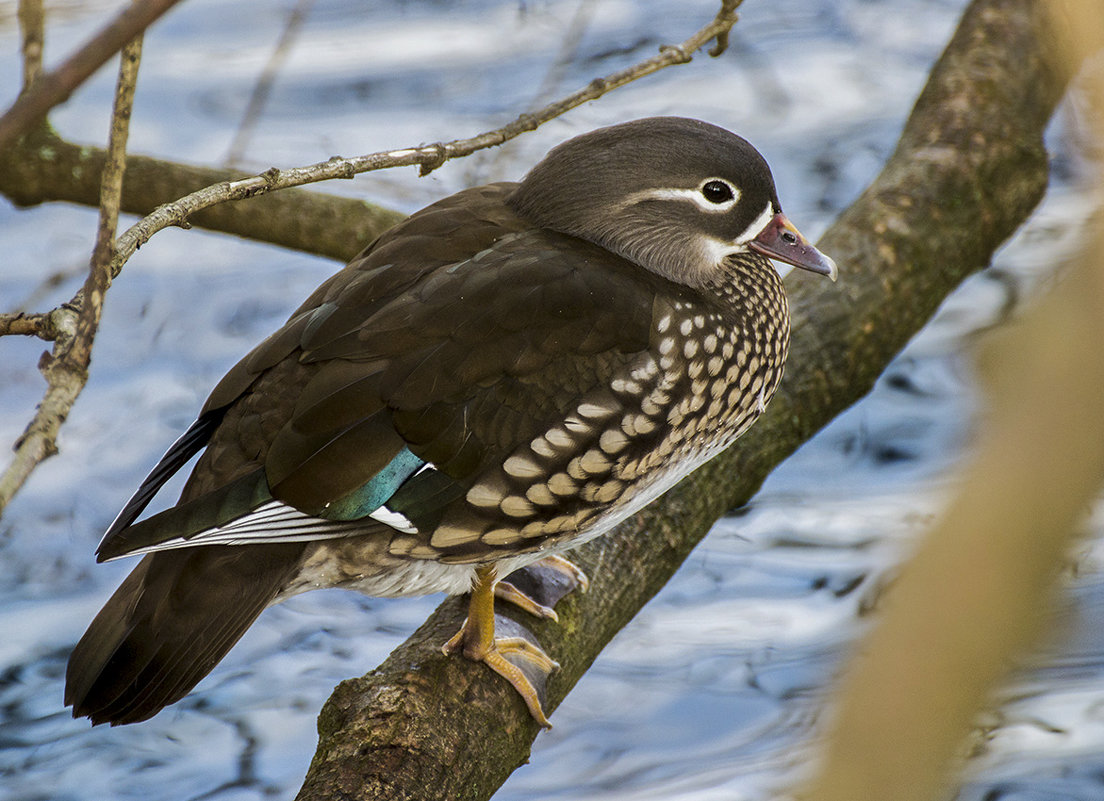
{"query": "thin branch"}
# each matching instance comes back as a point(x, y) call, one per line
point(54, 87)
point(428, 157)
point(66, 369)
point(424, 725)
point(44, 167)
point(263, 89)
point(32, 26)
point(43, 326)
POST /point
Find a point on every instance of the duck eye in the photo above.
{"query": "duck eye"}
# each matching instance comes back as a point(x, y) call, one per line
point(717, 191)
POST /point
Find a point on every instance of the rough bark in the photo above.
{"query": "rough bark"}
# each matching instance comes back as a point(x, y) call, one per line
point(968, 170)
point(980, 589)
point(42, 167)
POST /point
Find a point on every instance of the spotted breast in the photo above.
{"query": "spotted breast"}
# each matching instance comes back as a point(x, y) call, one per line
point(509, 372)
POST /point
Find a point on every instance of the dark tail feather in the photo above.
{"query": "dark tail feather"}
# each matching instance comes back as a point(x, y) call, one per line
point(169, 623)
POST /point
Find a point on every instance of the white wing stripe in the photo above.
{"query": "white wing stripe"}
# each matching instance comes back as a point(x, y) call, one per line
point(277, 522)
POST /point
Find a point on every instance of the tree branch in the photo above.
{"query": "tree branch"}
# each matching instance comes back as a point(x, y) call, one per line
point(33, 28)
point(51, 88)
point(43, 167)
point(66, 369)
point(67, 376)
point(969, 168)
point(427, 157)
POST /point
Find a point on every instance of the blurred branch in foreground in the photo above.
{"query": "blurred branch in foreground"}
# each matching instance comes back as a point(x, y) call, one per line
point(425, 726)
point(975, 594)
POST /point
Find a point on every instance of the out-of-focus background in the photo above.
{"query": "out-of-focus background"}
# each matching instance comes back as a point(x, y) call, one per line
point(717, 688)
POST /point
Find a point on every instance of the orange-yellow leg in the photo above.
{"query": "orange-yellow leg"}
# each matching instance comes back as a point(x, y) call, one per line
point(476, 640)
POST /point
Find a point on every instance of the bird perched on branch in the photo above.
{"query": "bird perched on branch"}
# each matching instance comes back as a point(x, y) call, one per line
point(509, 372)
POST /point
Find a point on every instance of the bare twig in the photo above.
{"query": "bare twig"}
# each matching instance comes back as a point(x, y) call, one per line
point(73, 328)
point(263, 89)
point(51, 88)
point(66, 369)
point(32, 27)
point(30, 325)
point(569, 49)
point(428, 157)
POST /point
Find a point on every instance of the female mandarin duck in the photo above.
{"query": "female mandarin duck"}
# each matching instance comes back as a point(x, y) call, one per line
point(508, 373)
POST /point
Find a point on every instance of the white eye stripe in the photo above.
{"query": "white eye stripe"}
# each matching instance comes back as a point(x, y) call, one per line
point(757, 225)
point(694, 195)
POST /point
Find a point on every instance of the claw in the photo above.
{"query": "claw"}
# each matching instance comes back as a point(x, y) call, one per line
point(507, 656)
point(506, 591)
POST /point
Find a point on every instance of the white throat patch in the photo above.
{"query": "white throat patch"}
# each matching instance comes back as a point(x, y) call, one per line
point(757, 225)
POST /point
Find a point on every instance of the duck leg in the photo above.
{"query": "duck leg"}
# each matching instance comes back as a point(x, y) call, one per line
point(505, 655)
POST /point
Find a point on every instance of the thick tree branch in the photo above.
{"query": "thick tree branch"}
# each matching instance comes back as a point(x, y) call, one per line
point(43, 167)
point(997, 553)
point(55, 86)
point(968, 170)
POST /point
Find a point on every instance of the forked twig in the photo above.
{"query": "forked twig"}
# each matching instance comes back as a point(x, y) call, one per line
point(73, 326)
point(427, 157)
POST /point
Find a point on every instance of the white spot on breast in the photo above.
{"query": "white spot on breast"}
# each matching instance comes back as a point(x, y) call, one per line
point(540, 495)
point(447, 536)
point(562, 484)
point(594, 411)
point(629, 387)
point(558, 437)
point(541, 447)
point(612, 441)
point(576, 426)
point(484, 495)
point(521, 467)
point(594, 461)
point(516, 506)
point(609, 491)
point(500, 536)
